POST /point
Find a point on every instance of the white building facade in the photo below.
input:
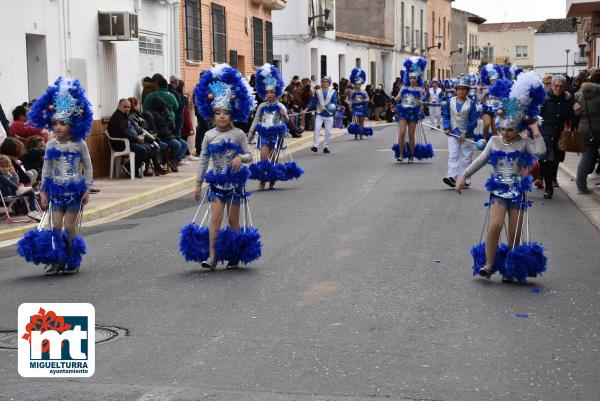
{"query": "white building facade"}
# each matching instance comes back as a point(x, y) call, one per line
point(44, 39)
point(322, 48)
point(556, 49)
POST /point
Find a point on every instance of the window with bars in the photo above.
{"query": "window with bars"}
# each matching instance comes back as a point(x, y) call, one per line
point(193, 31)
point(269, 41)
point(152, 45)
point(219, 27)
point(522, 51)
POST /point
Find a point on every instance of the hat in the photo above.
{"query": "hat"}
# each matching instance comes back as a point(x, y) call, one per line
point(327, 78)
point(64, 101)
point(358, 76)
point(268, 78)
point(491, 71)
point(523, 103)
point(223, 87)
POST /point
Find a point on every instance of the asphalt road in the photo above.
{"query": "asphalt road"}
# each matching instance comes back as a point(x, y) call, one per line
point(364, 292)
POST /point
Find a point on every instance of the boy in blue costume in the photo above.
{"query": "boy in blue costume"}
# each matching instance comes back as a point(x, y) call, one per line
point(325, 102)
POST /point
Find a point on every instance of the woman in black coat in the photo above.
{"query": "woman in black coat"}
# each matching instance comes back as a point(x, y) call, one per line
point(557, 111)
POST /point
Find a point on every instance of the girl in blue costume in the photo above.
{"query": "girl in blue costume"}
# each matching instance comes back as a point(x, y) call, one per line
point(270, 121)
point(490, 73)
point(410, 106)
point(360, 103)
point(66, 177)
point(510, 155)
point(223, 96)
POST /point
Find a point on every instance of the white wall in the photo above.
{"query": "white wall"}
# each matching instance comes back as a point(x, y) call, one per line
point(549, 53)
point(71, 31)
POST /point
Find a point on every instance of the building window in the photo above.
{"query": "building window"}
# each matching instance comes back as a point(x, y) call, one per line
point(402, 24)
point(522, 52)
point(407, 36)
point(412, 24)
point(418, 39)
point(425, 39)
point(152, 45)
point(269, 41)
point(358, 63)
point(323, 65)
point(193, 31)
point(488, 53)
point(444, 33)
point(433, 28)
point(421, 26)
point(259, 58)
point(219, 33)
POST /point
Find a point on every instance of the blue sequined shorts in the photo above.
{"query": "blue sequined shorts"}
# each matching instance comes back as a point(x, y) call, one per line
point(233, 195)
point(66, 203)
point(515, 203)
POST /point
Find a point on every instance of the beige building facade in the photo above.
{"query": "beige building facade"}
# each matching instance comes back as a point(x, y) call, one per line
point(439, 17)
point(510, 42)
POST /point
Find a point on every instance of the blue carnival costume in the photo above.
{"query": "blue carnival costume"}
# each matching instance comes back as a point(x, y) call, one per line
point(490, 73)
point(270, 122)
point(410, 101)
point(223, 88)
point(507, 184)
point(62, 178)
point(359, 104)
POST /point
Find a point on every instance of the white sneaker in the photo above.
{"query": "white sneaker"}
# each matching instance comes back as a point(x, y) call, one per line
point(51, 270)
point(594, 176)
point(35, 215)
point(193, 158)
point(23, 190)
point(183, 163)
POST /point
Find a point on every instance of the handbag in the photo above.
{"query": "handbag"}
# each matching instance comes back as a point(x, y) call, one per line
point(573, 141)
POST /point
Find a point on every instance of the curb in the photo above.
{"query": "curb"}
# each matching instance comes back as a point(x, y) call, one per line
point(589, 205)
point(136, 203)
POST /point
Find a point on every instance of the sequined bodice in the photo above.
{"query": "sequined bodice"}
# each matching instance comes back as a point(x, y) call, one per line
point(493, 101)
point(270, 119)
point(410, 100)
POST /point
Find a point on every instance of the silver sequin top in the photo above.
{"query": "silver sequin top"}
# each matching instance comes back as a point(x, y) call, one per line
point(269, 118)
point(66, 168)
point(221, 161)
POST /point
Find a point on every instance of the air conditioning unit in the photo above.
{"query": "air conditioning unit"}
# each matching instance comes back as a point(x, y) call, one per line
point(116, 25)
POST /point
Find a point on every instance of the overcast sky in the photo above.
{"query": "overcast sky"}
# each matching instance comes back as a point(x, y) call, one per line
point(514, 10)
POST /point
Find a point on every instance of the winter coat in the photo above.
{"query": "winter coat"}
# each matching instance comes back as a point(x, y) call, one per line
point(589, 95)
point(167, 97)
point(164, 126)
point(556, 112)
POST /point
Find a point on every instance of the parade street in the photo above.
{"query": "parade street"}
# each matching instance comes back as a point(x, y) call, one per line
point(364, 291)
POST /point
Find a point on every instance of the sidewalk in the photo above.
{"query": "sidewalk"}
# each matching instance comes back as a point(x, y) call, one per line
point(588, 204)
point(122, 197)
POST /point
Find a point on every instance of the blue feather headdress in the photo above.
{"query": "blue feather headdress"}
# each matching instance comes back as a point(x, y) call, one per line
point(268, 78)
point(489, 72)
point(523, 104)
point(65, 100)
point(358, 76)
point(223, 87)
point(511, 71)
point(473, 78)
point(414, 66)
point(501, 88)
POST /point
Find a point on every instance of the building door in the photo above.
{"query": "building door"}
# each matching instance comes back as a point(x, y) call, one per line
point(323, 65)
point(373, 73)
point(152, 58)
point(386, 71)
point(314, 62)
point(432, 71)
point(341, 66)
point(37, 66)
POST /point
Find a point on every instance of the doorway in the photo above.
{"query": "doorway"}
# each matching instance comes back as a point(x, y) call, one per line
point(37, 65)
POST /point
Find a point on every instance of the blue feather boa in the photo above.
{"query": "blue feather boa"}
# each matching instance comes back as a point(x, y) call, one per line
point(229, 177)
point(223, 147)
point(526, 260)
point(41, 115)
point(54, 154)
point(47, 247)
point(244, 101)
point(494, 183)
point(54, 189)
point(193, 243)
point(238, 246)
point(368, 131)
point(422, 151)
point(267, 171)
point(479, 258)
point(526, 160)
point(355, 129)
point(501, 88)
point(273, 132)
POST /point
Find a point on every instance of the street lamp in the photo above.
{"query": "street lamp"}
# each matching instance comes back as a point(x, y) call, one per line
point(461, 46)
point(326, 13)
point(439, 46)
point(567, 51)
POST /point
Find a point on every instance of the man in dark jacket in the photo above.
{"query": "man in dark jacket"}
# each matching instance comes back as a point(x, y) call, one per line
point(119, 126)
point(588, 107)
point(556, 112)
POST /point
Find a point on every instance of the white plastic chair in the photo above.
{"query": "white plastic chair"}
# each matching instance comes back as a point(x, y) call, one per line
point(116, 155)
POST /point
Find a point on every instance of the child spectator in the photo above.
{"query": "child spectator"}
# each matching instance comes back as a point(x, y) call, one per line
point(34, 158)
point(9, 186)
point(14, 149)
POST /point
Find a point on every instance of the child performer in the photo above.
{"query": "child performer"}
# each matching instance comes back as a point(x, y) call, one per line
point(459, 116)
point(325, 102)
point(270, 121)
point(67, 171)
point(489, 74)
point(223, 96)
point(435, 98)
point(510, 155)
point(410, 106)
point(360, 103)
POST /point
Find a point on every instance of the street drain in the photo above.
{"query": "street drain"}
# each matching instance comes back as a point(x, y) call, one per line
point(8, 339)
